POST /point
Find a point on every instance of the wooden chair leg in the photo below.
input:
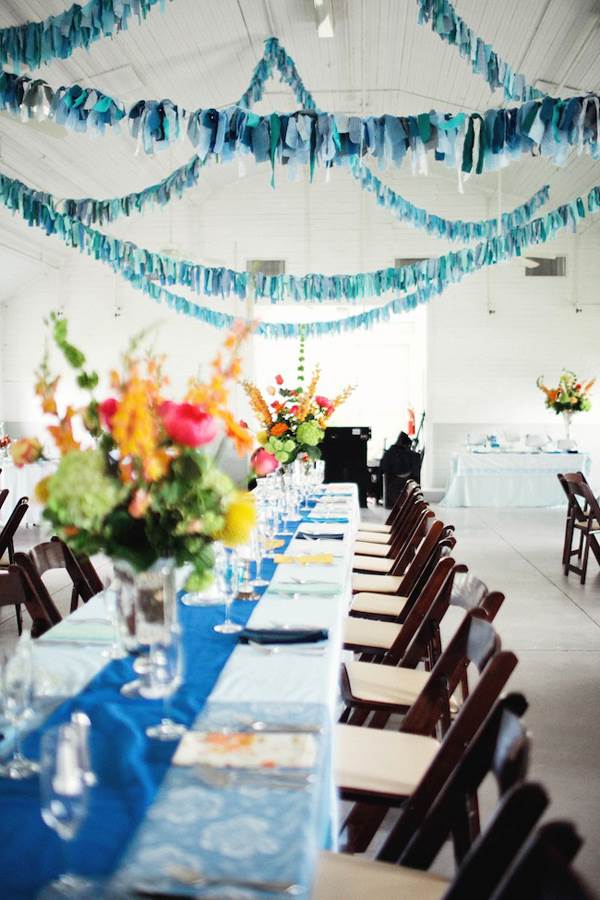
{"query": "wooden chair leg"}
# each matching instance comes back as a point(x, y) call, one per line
point(74, 599)
point(586, 553)
point(19, 618)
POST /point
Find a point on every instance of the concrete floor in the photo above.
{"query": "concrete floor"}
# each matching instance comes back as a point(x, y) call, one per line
point(551, 622)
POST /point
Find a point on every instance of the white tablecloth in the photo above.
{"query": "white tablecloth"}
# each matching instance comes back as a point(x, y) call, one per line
point(21, 482)
point(502, 478)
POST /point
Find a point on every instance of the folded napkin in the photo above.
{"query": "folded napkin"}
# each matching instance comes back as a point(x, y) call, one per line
point(324, 519)
point(283, 635)
point(91, 632)
point(274, 544)
point(317, 559)
point(316, 535)
point(248, 751)
point(316, 588)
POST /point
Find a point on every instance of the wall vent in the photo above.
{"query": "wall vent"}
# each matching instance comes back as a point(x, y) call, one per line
point(408, 260)
point(265, 266)
point(546, 267)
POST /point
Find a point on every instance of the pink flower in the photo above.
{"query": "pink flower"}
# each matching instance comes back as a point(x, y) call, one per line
point(188, 424)
point(325, 403)
point(279, 380)
point(263, 462)
point(294, 409)
point(107, 410)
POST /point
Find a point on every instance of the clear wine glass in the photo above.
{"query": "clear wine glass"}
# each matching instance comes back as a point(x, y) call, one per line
point(17, 693)
point(64, 792)
point(229, 582)
point(164, 679)
point(258, 550)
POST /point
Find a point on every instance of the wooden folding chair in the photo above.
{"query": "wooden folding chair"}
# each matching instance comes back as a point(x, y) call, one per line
point(3, 495)
point(7, 545)
point(17, 589)
point(354, 877)
point(380, 769)
point(375, 690)
point(583, 519)
point(363, 628)
point(542, 871)
point(371, 528)
point(375, 543)
point(402, 545)
point(55, 555)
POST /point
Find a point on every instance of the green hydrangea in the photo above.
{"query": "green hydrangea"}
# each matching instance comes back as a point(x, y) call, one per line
point(309, 434)
point(81, 493)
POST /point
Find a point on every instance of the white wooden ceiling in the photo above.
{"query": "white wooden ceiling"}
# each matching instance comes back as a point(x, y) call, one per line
point(201, 53)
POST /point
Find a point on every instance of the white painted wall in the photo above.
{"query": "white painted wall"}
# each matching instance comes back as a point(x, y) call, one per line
point(471, 371)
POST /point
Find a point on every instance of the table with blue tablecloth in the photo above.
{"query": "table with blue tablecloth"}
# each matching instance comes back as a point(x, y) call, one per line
point(146, 814)
point(511, 478)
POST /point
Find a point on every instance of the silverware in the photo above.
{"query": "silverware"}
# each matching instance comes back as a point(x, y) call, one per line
point(259, 726)
point(294, 649)
point(275, 778)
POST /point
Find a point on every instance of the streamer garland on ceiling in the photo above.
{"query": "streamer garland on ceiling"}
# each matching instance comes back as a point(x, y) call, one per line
point(442, 271)
point(56, 37)
point(40, 209)
point(469, 142)
point(448, 25)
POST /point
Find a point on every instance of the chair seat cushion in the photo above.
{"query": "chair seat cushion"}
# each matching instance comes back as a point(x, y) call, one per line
point(594, 527)
point(369, 549)
point(344, 877)
point(373, 537)
point(378, 584)
point(382, 565)
point(375, 526)
point(378, 761)
point(370, 633)
point(378, 604)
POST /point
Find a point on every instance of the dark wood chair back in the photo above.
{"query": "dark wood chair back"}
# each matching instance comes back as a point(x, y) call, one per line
point(24, 561)
point(475, 642)
point(396, 512)
point(16, 589)
point(500, 748)
point(583, 514)
point(542, 871)
point(3, 495)
point(53, 555)
point(7, 534)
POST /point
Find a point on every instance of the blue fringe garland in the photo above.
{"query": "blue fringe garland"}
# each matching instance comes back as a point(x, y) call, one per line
point(449, 26)
point(56, 37)
point(469, 142)
point(42, 210)
point(436, 274)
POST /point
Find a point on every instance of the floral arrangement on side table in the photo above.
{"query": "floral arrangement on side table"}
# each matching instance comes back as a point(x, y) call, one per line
point(568, 397)
point(148, 489)
point(295, 421)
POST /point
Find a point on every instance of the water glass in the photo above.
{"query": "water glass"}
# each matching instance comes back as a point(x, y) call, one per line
point(228, 584)
point(259, 550)
point(164, 678)
point(17, 682)
point(64, 791)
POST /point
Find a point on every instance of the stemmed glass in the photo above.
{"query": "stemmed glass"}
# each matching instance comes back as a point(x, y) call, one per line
point(164, 679)
point(258, 550)
point(17, 693)
point(228, 585)
point(64, 791)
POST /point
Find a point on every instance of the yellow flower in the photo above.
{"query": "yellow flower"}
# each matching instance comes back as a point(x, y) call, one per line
point(262, 437)
point(41, 490)
point(240, 519)
point(25, 451)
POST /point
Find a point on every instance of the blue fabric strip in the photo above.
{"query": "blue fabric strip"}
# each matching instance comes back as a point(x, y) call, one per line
point(130, 767)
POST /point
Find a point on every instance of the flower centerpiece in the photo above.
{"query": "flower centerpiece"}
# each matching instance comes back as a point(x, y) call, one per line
point(568, 397)
point(139, 484)
point(294, 422)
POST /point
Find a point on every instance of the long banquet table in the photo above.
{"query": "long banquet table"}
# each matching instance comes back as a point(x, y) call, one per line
point(145, 814)
point(510, 478)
